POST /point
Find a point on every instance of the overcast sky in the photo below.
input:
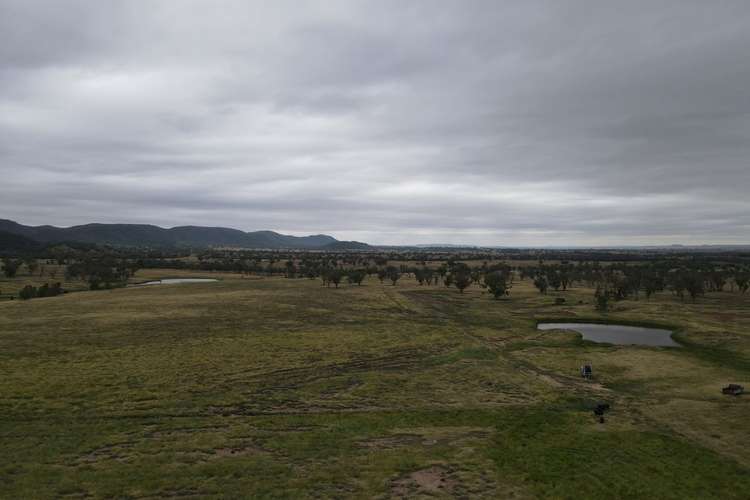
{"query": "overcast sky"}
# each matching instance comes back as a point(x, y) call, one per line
point(495, 123)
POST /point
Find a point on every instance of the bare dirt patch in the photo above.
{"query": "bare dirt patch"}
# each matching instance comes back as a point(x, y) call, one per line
point(427, 437)
point(238, 451)
point(434, 479)
point(120, 452)
point(392, 441)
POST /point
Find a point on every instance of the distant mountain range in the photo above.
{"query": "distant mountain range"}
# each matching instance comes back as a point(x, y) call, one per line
point(148, 235)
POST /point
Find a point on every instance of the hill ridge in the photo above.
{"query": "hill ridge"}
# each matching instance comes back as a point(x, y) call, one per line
point(189, 235)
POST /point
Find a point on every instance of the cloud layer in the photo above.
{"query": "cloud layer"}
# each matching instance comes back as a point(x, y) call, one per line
point(498, 123)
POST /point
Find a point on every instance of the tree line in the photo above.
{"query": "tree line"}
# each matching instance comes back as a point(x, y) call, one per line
point(685, 276)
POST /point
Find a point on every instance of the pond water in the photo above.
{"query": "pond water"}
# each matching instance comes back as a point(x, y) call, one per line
point(616, 334)
point(172, 281)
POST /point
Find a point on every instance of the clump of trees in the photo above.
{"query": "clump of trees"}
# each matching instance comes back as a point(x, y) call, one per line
point(684, 278)
point(356, 276)
point(498, 283)
point(602, 296)
point(461, 274)
point(336, 275)
point(541, 283)
point(688, 281)
point(331, 276)
point(496, 278)
point(10, 267)
point(104, 273)
point(683, 281)
point(423, 275)
point(393, 274)
point(31, 292)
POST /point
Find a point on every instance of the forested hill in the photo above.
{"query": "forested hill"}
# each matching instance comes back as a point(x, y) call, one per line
point(16, 242)
point(148, 235)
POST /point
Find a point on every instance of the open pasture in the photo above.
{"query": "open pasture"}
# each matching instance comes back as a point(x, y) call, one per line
point(273, 387)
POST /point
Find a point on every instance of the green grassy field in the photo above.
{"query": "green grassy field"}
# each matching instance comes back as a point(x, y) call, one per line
point(267, 387)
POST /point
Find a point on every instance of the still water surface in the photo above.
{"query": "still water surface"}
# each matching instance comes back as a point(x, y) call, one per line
point(172, 281)
point(616, 334)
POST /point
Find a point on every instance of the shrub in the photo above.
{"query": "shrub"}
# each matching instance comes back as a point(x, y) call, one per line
point(31, 292)
point(28, 292)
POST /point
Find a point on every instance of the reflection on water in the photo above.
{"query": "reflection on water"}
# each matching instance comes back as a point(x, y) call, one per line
point(616, 334)
point(172, 281)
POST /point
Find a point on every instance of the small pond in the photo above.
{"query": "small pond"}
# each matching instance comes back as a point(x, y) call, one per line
point(616, 334)
point(173, 281)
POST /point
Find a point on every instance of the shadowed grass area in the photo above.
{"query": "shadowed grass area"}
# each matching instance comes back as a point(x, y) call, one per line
point(283, 388)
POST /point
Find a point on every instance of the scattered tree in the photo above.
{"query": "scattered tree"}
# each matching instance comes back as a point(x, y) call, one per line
point(497, 284)
point(462, 280)
point(541, 284)
point(393, 274)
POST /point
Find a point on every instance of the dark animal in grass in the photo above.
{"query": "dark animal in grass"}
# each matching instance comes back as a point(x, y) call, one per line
point(601, 408)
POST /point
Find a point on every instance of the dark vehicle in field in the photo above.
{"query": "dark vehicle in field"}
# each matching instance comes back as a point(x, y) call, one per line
point(733, 389)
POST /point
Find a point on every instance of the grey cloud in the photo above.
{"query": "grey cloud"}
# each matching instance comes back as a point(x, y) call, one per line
point(484, 122)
